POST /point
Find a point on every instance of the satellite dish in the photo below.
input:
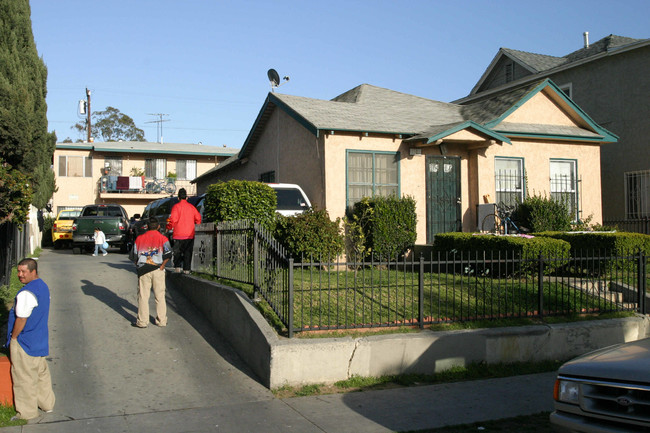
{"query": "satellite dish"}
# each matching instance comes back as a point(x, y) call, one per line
point(274, 77)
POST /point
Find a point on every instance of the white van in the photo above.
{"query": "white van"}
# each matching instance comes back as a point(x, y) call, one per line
point(292, 200)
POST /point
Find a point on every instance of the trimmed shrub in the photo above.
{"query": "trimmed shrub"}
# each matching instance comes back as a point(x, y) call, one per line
point(618, 243)
point(241, 199)
point(311, 235)
point(585, 245)
point(472, 245)
point(539, 213)
point(388, 225)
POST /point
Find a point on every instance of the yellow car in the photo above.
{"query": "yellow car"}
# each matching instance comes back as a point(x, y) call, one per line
point(62, 227)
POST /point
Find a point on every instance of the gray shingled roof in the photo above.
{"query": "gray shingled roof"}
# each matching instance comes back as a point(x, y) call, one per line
point(148, 147)
point(373, 109)
point(607, 43)
point(536, 62)
point(542, 63)
point(369, 108)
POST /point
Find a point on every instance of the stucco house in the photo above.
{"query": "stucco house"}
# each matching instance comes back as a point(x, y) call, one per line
point(118, 172)
point(609, 79)
point(449, 157)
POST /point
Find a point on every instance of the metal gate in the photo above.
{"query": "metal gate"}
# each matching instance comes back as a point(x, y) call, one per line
point(443, 195)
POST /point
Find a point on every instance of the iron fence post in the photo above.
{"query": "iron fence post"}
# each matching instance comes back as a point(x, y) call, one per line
point(217, 246)
point(290, 300)
point(421, 292)
point(256, 263)
point(641, 270)
point(540, 285)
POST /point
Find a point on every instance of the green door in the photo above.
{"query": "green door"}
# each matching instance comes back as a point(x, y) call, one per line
point(443, 195)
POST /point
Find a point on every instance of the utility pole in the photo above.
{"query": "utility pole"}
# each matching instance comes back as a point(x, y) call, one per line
point(88, 112)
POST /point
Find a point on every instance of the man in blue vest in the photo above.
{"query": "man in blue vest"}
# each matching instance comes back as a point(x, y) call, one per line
point(27, 338)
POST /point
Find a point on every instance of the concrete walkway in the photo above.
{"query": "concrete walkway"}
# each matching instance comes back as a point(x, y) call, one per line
point(111, 377)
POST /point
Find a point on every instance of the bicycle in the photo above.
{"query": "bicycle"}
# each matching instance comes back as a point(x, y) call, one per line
point(500, 222)
point(159, 185)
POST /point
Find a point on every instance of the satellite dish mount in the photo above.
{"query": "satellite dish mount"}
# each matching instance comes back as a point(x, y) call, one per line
point(274, 79)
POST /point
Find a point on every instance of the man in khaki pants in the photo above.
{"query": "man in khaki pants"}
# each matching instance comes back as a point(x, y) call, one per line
point(28, 341)
point(151, 252)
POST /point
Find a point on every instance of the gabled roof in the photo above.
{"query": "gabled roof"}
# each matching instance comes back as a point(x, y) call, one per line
point(369, 108)
point(148, 147)
point(542, 65)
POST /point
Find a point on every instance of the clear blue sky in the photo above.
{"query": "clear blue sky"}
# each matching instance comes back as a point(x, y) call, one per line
point(205, 62)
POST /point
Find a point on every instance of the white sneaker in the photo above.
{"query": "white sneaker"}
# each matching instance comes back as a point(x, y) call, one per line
point(94, 255)
point(104, 254)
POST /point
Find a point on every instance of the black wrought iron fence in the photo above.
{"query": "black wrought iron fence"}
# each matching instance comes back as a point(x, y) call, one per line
point(323, 294)
point(13, 241)
point(638, 225)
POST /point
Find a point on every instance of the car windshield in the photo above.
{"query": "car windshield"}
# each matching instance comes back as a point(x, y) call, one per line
point(290, 199)
point(68, 215)
point(103, 211)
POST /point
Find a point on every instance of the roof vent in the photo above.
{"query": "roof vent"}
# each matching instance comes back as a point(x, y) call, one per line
point(586, 36)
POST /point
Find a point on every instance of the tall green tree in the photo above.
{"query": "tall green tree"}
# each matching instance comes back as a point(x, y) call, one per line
point(112, 125)
point(25, 143)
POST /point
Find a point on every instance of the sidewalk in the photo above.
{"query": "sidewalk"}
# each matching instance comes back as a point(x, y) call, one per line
point(400, 409)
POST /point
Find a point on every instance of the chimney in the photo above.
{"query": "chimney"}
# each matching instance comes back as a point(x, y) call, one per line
point(586, 36)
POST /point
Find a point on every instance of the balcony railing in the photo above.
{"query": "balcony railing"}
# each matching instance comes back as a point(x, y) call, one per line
point(110, 184)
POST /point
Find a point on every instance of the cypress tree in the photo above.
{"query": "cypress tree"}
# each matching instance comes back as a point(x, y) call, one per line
point(25, 143)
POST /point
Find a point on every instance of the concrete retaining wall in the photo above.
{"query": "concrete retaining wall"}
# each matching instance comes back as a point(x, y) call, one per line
point(281, 361)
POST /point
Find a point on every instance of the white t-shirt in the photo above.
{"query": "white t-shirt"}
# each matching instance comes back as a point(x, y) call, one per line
point(25, 303)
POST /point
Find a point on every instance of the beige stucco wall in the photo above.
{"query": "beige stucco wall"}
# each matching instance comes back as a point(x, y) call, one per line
point(80, 191)
point(536, 158)
point(290, 150)
point(544, 109)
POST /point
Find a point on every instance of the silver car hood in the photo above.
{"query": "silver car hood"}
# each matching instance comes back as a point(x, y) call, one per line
point(627, 362)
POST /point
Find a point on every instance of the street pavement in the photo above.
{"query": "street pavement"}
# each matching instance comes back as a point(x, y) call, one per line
point(111, 377)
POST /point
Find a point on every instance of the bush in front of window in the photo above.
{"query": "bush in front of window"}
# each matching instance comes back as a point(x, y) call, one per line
point(241, 199)
point(540, 213)
point(310, 236)
point(388, 225)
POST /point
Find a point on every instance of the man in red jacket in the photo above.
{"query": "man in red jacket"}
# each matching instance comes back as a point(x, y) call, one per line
point(182, 220)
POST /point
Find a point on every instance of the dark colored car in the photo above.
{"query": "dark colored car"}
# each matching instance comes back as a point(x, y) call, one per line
point(161, 209)
point(607, 390)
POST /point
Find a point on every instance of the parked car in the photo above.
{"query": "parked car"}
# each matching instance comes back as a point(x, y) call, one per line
point(161, 209)
point(112, 219)
point(292, 200)
point(62, 228)
point(607, 390)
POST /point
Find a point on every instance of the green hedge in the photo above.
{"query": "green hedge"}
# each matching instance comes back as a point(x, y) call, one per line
point(618, 243)
point(388, 225)
point(312, 235)
point(241, 199)
point(584, 245)
point(527, 247)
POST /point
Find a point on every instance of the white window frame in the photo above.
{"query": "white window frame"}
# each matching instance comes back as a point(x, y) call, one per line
point(64, 165)
point(509, 182)
point(564, 183)
point(189, 169)
point(567, 89)
point(155, 168)
point(637, 194)
point(115, 164)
